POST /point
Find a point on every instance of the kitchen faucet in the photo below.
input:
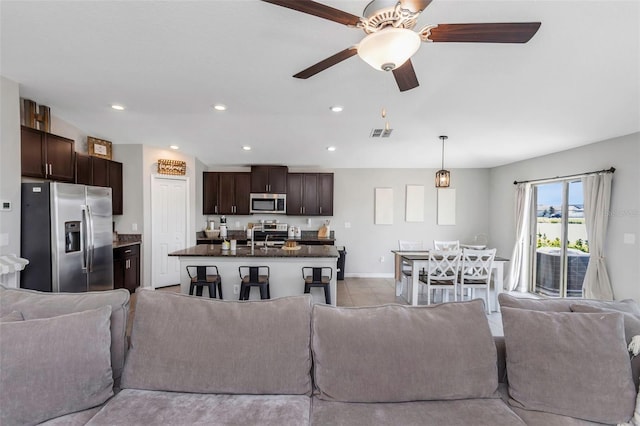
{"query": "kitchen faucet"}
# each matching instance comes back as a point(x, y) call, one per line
point(266, 239)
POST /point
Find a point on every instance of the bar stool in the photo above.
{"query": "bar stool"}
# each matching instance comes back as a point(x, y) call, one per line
point(254, 276)
point(201, 279)
point(316, 279)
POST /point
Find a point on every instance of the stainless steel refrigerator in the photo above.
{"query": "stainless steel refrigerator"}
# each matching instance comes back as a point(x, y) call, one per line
point(66, 234)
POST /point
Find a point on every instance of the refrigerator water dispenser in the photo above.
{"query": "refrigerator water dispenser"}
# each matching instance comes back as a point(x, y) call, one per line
point(72, 236)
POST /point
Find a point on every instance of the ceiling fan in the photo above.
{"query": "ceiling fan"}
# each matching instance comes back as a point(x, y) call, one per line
point(390, 40)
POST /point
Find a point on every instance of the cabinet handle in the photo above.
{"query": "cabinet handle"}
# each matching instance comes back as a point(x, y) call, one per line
point(215, 209)
point(301, 210)
point(233, 209)
point(127, 251)
point(50, 168)
point(320, 209)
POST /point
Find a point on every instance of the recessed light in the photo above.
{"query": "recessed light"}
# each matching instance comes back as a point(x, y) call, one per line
point(174, 147)
point(246, 148)
point(220, 107)
point(331, 148)
point(336, 108)
point(117, 107)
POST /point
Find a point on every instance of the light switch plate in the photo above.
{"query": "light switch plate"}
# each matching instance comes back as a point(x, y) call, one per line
point(629, 238)
point(5, 205)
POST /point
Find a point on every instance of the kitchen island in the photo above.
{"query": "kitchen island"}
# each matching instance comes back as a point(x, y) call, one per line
point(285, 267)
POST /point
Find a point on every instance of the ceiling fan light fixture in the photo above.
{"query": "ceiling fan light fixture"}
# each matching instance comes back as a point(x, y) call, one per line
point(389, 48)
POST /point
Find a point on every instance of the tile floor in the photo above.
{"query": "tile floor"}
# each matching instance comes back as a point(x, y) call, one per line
point(357, 292)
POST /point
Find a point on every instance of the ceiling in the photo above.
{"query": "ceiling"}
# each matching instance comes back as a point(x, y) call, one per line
point(576, 82)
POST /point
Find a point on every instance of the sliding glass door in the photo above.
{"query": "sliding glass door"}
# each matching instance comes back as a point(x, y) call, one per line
point(561, 256)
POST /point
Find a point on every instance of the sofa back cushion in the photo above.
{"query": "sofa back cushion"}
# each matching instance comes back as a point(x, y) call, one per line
point(191, 344)
point(564, 305)
point(395, 353)
point(54, 366)
point(34, 304)
point(570, 364)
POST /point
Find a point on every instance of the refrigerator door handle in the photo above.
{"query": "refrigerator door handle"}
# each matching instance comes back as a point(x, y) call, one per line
point(90, 239)
point(84, 237)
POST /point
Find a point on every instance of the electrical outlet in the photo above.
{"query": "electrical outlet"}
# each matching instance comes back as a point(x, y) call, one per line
point(236, 289)
point(347, 225)
point(381, 259)
point(134, 226)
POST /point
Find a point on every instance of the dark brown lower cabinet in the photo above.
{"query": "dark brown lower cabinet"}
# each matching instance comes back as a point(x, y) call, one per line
point(126, 267)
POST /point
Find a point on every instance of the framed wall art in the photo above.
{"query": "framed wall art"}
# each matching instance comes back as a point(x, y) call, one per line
point(99, 148)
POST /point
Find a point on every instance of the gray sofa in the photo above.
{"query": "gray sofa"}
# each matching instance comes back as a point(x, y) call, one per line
point(285, 361)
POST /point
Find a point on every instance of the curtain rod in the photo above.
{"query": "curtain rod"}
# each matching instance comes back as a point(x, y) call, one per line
point(611, 170)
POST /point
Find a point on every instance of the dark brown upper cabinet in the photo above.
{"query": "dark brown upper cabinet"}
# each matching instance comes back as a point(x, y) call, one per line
point(47, 156)
point(310, 194)
point(269, 179)
point(210, 191)
point(101, 172)
point(226, 193)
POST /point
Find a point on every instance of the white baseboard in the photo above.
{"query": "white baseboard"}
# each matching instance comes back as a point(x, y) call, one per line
point(368, 275)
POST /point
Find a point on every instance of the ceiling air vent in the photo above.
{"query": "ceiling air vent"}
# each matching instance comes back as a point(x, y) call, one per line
point(380, 133)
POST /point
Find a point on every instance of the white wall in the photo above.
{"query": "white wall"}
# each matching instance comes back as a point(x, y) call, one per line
point(10, 166)
point(623, 153)
point(366, 243)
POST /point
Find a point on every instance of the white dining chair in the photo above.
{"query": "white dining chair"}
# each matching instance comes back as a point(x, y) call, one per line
point(442, 273)
point(476, 273)
point(405, 245)
point(446, 245)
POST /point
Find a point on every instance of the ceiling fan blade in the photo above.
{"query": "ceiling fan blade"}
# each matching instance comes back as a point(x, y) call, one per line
point(318, 9)
point(520, 32)
point(406, 76)
point(329, 62)
point(415, 5)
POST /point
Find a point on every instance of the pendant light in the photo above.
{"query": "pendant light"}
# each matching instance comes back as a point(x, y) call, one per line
point(443, 177)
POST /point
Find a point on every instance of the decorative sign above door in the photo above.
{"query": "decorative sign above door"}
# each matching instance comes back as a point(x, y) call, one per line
point(172, 167)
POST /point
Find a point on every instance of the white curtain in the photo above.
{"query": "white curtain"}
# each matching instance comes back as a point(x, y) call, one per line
point(597, 198)
point(522, 209)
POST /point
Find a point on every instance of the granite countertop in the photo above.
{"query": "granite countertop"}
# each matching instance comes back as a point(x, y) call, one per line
point(215, 250)
point(241, 236)
point(126, 240)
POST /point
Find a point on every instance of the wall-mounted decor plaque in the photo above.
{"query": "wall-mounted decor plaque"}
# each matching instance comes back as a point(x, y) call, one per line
point(172, 167)
point(99, 148)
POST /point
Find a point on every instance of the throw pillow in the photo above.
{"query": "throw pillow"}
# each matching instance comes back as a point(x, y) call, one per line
point(54, 366)
point(35, 304)
point(395, 353)
point(570, 364)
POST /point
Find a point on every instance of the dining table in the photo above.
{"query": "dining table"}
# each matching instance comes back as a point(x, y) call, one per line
point(419, 260)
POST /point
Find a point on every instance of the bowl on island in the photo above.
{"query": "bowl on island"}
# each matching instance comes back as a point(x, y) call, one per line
point(212, 234)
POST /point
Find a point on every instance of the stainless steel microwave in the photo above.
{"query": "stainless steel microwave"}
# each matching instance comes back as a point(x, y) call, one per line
point(268, 203)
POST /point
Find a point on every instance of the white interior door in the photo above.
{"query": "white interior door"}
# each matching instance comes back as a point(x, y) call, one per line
point(169, 210)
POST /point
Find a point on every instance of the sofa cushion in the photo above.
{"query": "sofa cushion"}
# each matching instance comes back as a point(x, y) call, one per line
point(192, 344)
point(79, 418)
point(12, 316)
point(570, 364)
point(35, 304)
point(477, 412)
point(564, 305)
point(54, 366)
point(395, 353)
point(541, 418)
point(631, 321)
point(140, 407)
